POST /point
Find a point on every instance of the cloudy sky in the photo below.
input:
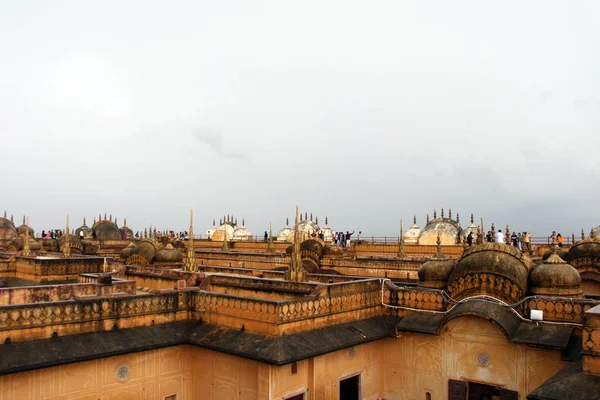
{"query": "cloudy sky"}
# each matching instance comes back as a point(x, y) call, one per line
point(367, 112)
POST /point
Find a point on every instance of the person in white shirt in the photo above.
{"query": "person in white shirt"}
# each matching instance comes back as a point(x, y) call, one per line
point(499, 236)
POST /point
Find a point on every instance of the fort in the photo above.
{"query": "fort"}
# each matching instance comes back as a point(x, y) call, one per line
point(103, 312)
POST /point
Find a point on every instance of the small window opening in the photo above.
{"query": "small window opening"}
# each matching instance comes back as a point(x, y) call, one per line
point(294, 368)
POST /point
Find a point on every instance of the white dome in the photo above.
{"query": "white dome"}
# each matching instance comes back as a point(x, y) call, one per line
point(411, 236)
point(242, 234)
point(283, 234)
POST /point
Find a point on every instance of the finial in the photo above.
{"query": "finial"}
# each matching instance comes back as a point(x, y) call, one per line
point(116, 221)
point(110, 218)
point(493, 233)
point(479, 238)
point(427, 219)
point(442, 212)
point(439, 255)
point(305, 216)
point(414, 219)
point(300, 217)
point(213, 222)
point(243, 221)
point(104, 216)
point(84, 220)
point(572, 237)
point(457, 218)
point(434, 213)
point(311, 217)
point(23, 220)
point(450, 213)
point(582, 234)
point(220, 222)
point(11, 219)
point(317, 220)
point(287, 222)
point(326, 223)
point(472, 219)
point(124, 221)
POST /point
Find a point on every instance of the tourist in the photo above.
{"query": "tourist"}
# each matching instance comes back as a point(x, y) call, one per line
point(527, 242)
point(499, 236)
point(514, 239)
point(560, 240)
point(266, 236)
point(359, 237)
point(488, 237)
point(81, 235)
point(470, 239)
point(348, 236)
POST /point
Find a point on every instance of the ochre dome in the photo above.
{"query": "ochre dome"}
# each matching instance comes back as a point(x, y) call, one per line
point(147, 248)
point(106, 230)
point(127, 231)
point(495, 269)
point(7, 229)
point(168, 254)
point(127, 251)
point(50, 245)
point(75, 243)
point(555, 278)
point(435, 273)
point(584, 249)
point(448, 229)
point(25, 228)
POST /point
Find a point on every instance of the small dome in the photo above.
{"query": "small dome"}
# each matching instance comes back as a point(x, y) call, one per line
point(106, 230)
point(411, 236)
point(242, 233)
point(88, 233)
point(126, 232)
point(127, 251)
point(50, 245)
point(147, 248)
point(587, 248)
point(226, 228)
point(283, 234)
point(555, 278)
point(494, 269)
point(168, 254)
point(22, 228)
point(34, 245)
point(7, 229)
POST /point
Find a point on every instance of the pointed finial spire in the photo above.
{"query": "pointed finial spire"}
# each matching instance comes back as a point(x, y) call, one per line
point(11, 219)
point(83, 220)
point(305, 216)
point(582, 234)
point(311, 217)
point(116, 223)
point(427, 219)
point(104, 216)
point(572, 237)
point(326, 222)
point(190, 262)
point(414, 219)
point(67, 243)
point(287, 222)
point(457, 218)
point(243, 221)
point(23, 220)
point(449, 213)
point(434, 213)
point(213, 222)
point(493, 233)
point(270, 244)
point(300, 217)
point(124, 221)
point(472, 219)
point(439, 255)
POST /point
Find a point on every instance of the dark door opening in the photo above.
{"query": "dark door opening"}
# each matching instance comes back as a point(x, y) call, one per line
point(297, 397)
point(462, 390)
point(350, 388)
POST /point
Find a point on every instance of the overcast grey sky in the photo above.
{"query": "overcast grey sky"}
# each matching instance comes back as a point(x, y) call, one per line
point(366, 112)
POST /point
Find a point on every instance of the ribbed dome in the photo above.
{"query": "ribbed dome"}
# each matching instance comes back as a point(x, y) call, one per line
point(127, 251)
point(34, 245)
point(584, 248)
point(448, 229)
point(147, 249)
point(242, 233)
point(23, 228)
point(435, 272)
point(76, 246)
point(495, 269)
point(88, 233)
point(411, 236)
point(283, 234)
point(128, 233)
point(106, 230)
point(7, 229)
point(168, 254)
point(555, 278)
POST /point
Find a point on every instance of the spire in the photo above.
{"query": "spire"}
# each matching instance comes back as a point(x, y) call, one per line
point(326, 221)
point(414, 219)
point(311, 217)
point(317, 220)
point(572, 237)
point(213, 222)
point(401, 242)
point(554, 257)
point(493, 233)
point(450, 213)
point(124, 222)
point(270, 245)
point(190, 262)
point(225, 241)
point(300, 218)
point(12, 219)
point(427, 219)
point(287, 222)
point(99, 217)
point(305, 216)
point(26, 249)
point(110, 218)
point(434, 213)
point(67, 242)
point(457, 218)
point(83, 220)
point(582, 234)
point(479, 238)
point(23, 220)
point(243, 221)
point(438, 255)
point(472, 219)
point(442, 212)
point(116, 221)
point(296, 271)
point(104, 216)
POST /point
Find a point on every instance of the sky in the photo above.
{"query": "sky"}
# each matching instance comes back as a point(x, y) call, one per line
point(365, 112)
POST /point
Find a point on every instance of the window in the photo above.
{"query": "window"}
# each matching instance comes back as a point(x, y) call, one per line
point(294, 368)
point(350, 388)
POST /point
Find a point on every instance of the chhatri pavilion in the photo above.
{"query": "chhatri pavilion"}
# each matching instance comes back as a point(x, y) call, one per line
point(113, 312)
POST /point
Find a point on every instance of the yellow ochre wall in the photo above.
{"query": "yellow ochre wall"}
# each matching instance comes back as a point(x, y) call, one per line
point(394, 368)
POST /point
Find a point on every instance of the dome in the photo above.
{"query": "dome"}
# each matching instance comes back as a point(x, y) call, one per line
point(306, 229)
point(168, 254)
point(76, 246)
point(226, 228)
point(587, 248)
point(435, 272)
point(127, 251)
point(34, 245)
point(495, 269)
point(242, 233)
point(126, 232)
point(555, 278)
point(283, 234)
point(7, 229)
point(88, 233)
point(22, 228)
point(147, 248)
point(448, 229)
point(50, 245)
point(411, 236)
point(89, 247)
point(106, 230)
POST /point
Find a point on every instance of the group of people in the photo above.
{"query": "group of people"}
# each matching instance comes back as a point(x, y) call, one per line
point(343, 239)
point(52, 234)
point(521, 240)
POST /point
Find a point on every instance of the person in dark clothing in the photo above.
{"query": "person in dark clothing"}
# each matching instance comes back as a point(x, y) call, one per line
point(470, 239)
point(348, 236)
point(488, 237)
point(266, 236)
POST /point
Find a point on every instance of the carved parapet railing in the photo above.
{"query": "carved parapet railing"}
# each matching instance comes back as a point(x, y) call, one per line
point(489, 284)
point(77, 316)
point(414, 298)
point(560, 309)
point(236, 306)
point(365, 247)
